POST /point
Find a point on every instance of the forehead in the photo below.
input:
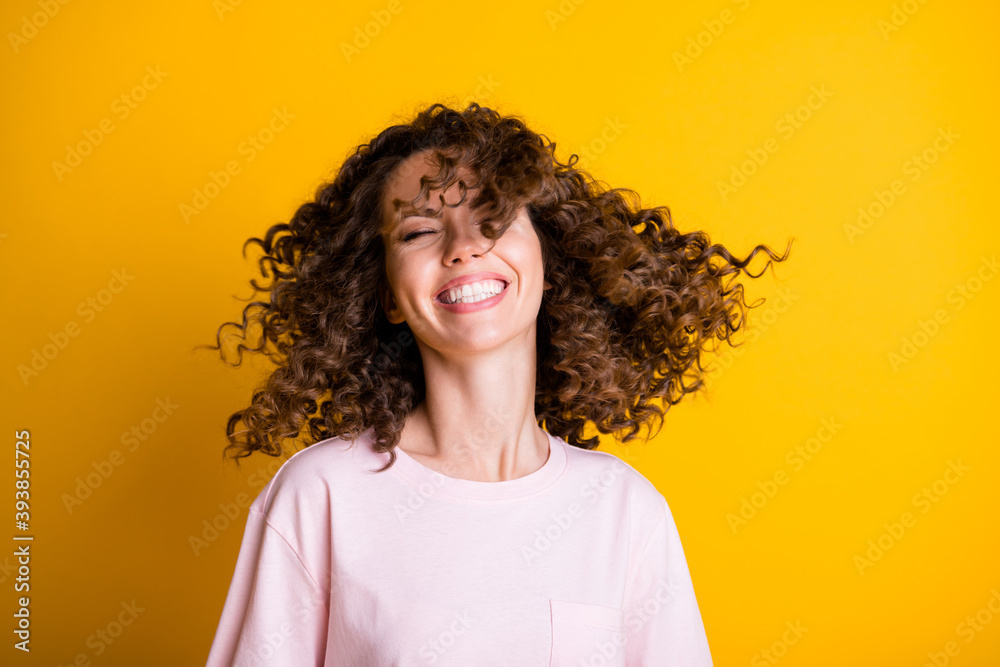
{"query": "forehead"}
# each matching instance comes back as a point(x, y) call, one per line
point(403, 185)
point(404, 181)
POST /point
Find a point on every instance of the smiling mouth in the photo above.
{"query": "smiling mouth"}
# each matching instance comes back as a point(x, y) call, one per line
point(473, 292)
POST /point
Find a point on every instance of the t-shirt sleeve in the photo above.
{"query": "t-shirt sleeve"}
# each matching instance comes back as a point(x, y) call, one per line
point(275, 614)
point(663, 622)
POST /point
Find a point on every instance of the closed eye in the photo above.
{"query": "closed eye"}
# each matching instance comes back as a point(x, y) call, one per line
point(413, 235)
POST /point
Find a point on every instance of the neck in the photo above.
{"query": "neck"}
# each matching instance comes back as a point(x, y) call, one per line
point(477, 420)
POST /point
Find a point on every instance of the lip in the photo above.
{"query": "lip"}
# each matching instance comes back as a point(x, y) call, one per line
point(468, 279)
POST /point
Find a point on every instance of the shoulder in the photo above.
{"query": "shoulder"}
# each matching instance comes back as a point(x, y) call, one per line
point(602, 475)
point(607, 481)
point(335, 465)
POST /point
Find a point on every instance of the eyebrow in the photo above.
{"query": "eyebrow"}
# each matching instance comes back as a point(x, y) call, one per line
point(410, 212)
point(418, 214)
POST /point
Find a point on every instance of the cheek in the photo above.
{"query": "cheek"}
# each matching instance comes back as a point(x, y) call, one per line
point(526, 251)
point(399, 267)
point(395, 279)
point(408, 278)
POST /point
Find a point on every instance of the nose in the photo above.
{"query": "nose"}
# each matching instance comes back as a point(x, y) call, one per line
point(463, 240)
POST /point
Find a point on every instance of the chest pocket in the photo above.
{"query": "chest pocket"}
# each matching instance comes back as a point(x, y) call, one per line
point(586, 634)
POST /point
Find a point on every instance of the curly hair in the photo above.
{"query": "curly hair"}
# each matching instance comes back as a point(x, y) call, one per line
point(634, 303)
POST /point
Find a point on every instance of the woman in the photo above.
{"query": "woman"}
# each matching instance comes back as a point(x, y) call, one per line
point(451, 291)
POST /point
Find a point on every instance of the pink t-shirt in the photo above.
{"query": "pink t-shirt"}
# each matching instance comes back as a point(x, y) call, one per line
point(578, 563)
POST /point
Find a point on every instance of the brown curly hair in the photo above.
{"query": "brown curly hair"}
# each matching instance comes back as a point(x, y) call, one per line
point(633, 302)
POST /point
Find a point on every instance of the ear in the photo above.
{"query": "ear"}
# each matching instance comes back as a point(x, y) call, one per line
point(391, 308)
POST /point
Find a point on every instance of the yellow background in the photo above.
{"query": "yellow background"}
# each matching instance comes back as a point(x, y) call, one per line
point(573, 71)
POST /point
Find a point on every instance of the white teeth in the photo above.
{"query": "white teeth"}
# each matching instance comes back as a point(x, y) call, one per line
point(473, 292)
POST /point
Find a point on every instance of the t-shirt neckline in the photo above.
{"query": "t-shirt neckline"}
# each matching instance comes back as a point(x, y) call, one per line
point(432, 482)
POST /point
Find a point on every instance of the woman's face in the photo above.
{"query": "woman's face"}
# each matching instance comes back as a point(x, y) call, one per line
point(430, 261)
